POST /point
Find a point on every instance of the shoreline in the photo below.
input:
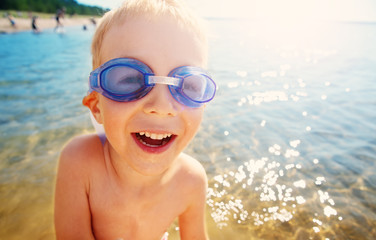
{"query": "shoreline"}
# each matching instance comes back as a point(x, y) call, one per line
point(24, 24)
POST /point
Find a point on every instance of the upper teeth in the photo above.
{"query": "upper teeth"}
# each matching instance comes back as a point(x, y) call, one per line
point(155, 136)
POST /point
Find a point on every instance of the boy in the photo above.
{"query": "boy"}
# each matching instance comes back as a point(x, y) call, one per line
point(148, 90)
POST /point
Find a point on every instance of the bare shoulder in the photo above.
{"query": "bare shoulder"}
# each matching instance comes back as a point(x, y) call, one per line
point(192, 170)
point(82, 147)
point(77, 153)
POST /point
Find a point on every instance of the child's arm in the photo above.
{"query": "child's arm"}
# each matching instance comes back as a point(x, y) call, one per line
point(72, 213)
point(192, 221)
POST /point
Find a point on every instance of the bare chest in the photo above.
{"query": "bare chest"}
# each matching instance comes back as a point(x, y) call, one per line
point(121, 214)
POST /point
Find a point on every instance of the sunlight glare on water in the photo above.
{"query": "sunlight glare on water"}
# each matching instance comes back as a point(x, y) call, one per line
point(281, 181)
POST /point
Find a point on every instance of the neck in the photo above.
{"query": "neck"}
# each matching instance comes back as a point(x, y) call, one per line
point(126, 176)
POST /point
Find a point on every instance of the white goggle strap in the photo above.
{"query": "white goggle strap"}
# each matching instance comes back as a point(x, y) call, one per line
point(164, 80)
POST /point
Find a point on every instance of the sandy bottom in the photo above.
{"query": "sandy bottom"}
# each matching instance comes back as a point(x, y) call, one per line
point(23, 24)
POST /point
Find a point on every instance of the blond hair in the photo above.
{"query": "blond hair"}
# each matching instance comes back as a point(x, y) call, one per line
point(148, 9)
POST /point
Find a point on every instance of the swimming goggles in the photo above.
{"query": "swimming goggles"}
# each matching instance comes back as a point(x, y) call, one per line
point(126, 79)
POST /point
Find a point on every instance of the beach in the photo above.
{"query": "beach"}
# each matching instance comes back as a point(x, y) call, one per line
point(24, 24)
point(288, 142)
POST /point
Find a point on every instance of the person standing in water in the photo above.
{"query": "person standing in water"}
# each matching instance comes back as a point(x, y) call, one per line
point(34, 26)
point(59, 15)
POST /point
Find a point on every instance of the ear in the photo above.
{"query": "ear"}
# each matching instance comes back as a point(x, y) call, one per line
point(92, 102)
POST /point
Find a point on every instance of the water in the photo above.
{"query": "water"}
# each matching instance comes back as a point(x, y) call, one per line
point(288, 143)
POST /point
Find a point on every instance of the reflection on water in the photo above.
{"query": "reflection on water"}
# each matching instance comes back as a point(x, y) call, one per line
point(288, 143)
point(293, 158)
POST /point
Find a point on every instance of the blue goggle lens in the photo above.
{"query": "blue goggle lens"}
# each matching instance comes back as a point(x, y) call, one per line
point(122, 80)
point(198, 88)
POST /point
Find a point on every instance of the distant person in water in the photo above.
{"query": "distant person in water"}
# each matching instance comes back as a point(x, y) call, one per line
point(92, 20)
point(59, 15)
point(11, 20)
point(34, 26)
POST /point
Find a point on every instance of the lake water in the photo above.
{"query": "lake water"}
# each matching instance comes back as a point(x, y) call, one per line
point(289, 142)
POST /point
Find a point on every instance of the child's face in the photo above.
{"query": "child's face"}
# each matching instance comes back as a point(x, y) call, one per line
point(162, 45)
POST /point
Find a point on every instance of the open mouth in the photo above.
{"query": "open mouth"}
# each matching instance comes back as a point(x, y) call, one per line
point(153, 140)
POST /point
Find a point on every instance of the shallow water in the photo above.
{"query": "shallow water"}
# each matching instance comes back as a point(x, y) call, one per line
point(288, 143)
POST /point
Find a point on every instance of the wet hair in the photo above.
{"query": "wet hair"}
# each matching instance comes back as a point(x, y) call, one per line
point(148, 9)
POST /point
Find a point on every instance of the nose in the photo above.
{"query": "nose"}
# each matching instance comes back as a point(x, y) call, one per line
point(160, 102)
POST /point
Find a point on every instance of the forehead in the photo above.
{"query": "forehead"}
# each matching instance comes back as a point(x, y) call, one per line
point(158, 41)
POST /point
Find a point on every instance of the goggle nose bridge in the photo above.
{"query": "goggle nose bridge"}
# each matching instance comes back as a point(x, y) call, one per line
point(172, 81)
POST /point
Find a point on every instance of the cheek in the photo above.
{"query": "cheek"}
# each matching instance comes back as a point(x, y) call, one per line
point(115, 114)
point(108, 112)
point(194, 119)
